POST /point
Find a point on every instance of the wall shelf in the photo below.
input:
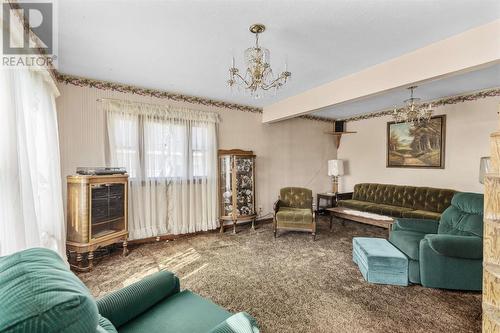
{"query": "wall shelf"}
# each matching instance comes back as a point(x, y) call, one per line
point(338, 135)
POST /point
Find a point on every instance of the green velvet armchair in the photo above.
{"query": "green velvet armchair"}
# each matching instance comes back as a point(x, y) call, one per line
point(447, 254)
point(294, 211)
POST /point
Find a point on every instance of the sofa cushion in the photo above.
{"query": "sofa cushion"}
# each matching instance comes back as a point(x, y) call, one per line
point(407, 242)
point(296, 197)
point(467, 247)
point(422, 214)
point(464, 217)
point(416, 198)
point(419, 225)
point(105, 326)
point(40, 294)
point(184, 312)
point(436, 200)
point(240, 322)
point(355, 204)
point(388, 210)
point(294, 215)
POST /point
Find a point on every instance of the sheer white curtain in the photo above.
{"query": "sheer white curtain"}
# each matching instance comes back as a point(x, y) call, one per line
point(31, 211)
point(171, 157)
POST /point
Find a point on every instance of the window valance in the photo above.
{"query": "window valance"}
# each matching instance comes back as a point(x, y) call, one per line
point(160, 111)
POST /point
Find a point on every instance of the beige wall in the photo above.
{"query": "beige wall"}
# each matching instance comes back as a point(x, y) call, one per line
point(468, 126)
point(289, 153)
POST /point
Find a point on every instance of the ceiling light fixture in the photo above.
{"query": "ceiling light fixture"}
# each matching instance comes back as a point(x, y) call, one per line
point(413, 112)
point(258, 77)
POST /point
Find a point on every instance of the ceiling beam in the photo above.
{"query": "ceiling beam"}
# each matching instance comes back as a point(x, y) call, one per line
point(470, 50)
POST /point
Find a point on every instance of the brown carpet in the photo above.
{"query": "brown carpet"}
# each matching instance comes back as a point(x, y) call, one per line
point(292, 284)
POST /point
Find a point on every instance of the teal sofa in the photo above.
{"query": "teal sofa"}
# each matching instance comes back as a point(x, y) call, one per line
point(40, 294)
point(447, 254)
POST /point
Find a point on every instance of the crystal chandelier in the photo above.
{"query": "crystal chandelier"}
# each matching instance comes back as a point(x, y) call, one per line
point(258, 77)
point(413, 112)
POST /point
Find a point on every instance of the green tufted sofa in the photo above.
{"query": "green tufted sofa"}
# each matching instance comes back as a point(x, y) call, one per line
point(294, 210)
point(40, 294)
point(399, 201)
point(447, 254)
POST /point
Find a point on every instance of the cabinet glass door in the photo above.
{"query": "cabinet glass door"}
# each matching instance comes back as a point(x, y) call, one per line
point(226, 188)
point(244, 167)
point(107, 209)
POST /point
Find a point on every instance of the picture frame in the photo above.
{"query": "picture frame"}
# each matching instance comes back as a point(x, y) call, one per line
point(417, 145)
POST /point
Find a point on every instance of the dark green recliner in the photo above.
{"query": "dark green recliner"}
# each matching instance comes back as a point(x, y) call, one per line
point(447, 254)
point(40, 294)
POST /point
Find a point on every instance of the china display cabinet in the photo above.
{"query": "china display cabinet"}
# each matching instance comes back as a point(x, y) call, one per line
point(236, 187)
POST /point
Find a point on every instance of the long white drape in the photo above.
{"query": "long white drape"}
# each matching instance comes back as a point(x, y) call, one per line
point(171, 157)
point(31, 210)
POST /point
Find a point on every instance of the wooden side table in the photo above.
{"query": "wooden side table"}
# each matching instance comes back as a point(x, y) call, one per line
point(324, 201)
point(329, 200)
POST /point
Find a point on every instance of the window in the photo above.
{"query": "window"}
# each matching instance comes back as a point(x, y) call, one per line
point(171, 156)
point(155, 148)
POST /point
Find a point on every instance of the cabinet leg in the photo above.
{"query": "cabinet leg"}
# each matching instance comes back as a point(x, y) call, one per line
point(331, 223)
point(90, 258)
point(234, 227)
point(222, 227)
point(79, 259)
point(253, 224)
point(125, 248)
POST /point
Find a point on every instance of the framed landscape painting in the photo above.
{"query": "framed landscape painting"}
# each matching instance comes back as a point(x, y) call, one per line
point(416, 145)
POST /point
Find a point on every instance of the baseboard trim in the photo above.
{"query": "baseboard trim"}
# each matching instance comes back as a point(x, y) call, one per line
point(192, 234)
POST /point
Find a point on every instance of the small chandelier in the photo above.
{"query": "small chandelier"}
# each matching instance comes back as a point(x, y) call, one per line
point(412, 112)
point(258, 77)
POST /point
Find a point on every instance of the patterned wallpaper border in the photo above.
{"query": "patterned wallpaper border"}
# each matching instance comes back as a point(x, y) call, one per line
point(439, 102)
point(106, 85)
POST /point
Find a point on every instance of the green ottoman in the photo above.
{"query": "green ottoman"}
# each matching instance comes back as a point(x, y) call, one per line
point(379, 261)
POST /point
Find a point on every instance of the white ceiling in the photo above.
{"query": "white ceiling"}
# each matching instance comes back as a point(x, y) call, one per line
point(459, 84)
point(186, 46)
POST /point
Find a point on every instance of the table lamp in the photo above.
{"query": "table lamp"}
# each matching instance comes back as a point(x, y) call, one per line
point(484, 168)
point(335, 169)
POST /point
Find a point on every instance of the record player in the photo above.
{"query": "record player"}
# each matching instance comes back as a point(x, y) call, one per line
point(100, 171)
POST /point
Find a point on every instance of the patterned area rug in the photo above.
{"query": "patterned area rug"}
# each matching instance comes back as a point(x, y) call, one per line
point(292, 284)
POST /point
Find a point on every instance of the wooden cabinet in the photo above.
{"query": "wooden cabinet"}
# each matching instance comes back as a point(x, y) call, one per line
point(236, 187)
point(97, 216)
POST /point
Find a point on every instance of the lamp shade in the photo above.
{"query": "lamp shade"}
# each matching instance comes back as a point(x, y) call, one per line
point(484, 168)
point(335, 168)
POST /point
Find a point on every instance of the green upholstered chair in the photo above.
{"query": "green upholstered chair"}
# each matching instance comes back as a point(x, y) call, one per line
point(40, 294)
point(447, 254)
point(294, 210)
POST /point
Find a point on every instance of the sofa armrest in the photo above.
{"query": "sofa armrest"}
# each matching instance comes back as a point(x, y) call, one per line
point(277, 205)
point(467, 247)
point(418, 225)
point(129, 302)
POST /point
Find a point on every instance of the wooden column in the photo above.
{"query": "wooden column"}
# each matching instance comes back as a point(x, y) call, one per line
point(491, 261)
